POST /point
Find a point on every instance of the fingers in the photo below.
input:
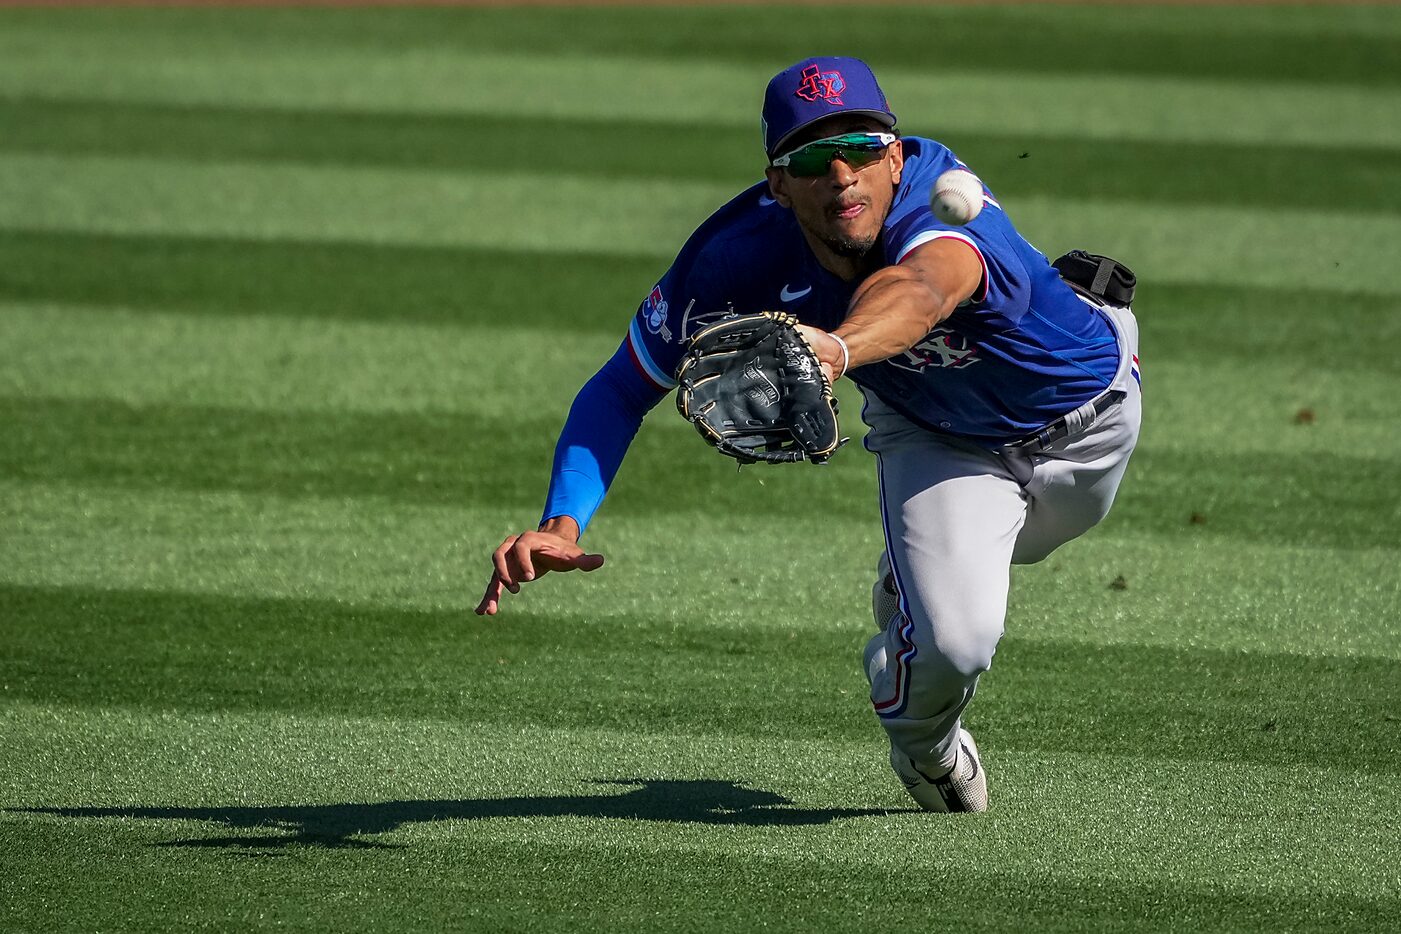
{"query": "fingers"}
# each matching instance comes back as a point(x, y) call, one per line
point(491, 600)
point(588, 562)
point(813, 336)
point(830, 350)
point(521, 553)
point(502, 565)
point(561, 556)
point(522, 558)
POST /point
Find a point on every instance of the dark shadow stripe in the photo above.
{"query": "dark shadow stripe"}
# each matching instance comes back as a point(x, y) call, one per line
point(1204, 44)
point(1269, 331)
point(1345, 179)
point(1330, 500)
point(1006, 869)
point(612, 149)
point(453, 459)
point(327, 280)
point(164, 650)
point(434, 458)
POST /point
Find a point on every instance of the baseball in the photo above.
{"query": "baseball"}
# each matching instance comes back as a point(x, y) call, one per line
point(957, 197)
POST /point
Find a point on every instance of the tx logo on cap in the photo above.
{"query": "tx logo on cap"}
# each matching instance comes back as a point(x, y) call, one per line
point(821, 85)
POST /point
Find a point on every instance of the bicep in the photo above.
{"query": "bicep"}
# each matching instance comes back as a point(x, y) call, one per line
point(950, 266)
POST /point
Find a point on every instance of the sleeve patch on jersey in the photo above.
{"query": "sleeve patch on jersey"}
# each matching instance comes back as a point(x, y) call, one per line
point(644, 362)
point(929, 236)
point(655, 309)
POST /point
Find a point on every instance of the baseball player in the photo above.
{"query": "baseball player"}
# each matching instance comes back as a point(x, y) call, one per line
point(1003, 403)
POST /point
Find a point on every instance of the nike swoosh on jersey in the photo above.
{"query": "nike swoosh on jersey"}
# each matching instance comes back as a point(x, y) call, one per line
point(765, 201)
point(787, 296)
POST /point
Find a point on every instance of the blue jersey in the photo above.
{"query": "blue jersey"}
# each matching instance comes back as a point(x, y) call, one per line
point(1020, 353)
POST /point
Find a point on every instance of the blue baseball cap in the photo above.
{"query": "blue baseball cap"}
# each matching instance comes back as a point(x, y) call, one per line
point(816, 88)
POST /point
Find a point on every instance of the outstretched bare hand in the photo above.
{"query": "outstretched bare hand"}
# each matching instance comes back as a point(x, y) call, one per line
point(529, 555)
point(830, 355)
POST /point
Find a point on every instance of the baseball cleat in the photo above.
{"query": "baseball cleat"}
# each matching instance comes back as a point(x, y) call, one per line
point(964, 789)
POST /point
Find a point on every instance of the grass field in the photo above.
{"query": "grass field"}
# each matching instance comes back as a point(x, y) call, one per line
point(293, 303)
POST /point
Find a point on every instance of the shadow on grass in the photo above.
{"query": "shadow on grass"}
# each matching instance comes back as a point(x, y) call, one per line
point(339, 825)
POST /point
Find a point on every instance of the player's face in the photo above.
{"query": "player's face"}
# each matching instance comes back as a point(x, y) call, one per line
point(842, 211)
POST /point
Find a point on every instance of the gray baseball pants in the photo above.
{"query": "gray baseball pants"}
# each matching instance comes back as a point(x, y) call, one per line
point(956, 517)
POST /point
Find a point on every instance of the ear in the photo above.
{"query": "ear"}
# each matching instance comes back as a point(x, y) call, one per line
point(896, 155)
point(778, 186)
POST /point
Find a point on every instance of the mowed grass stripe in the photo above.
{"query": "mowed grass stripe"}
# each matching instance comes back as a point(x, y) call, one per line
point(293, 364)
point(259, 645)
point(1354, 44)
point(157, 651)
point(582, 295)
point(570, 293)
point(1288, 595)
point(500, 209)
point(528, 372)
point(449, 459)
point(617, 876)
point(1360, 179)
point(512, 87)
point(1217, 245)
point(386, 756)
point(272, 776)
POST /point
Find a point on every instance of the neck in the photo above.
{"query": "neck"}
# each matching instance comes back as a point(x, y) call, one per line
point(846, 268)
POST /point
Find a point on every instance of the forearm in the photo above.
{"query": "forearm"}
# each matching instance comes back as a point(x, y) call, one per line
point(897, 306)
point(893, 310)
point(602, 422)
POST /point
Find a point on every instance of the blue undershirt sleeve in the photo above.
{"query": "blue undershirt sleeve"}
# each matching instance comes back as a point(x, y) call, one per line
point(602, 423)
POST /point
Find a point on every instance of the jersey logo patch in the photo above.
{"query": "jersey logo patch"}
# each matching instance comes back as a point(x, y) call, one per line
point(787, 294)
point(943, 348)
point(821, 85)
point(655, 309)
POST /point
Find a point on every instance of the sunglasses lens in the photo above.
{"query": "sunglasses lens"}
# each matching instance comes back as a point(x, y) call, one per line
point(857, 150)
point(860, 158)
point(811, 160)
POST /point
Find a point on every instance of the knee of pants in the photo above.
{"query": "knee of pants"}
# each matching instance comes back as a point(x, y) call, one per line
point(937, 677)
point(947, 648)
point(953, 629)
point(962, 655)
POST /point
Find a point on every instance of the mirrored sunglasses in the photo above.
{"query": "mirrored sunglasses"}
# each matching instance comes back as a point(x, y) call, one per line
point(857, 150)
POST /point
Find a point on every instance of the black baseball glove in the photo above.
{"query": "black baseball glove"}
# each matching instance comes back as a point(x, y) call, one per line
point(754, 390)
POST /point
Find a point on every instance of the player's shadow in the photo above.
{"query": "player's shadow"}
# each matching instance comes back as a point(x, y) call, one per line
point(340, 825)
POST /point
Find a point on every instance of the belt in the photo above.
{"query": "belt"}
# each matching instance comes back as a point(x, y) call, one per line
point(1066, 425)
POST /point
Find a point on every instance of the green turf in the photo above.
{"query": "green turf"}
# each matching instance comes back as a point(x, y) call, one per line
point(293, 302)
point(1321, 45)
point(1310, 246)
point(299, 69)
point(1357, 179)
